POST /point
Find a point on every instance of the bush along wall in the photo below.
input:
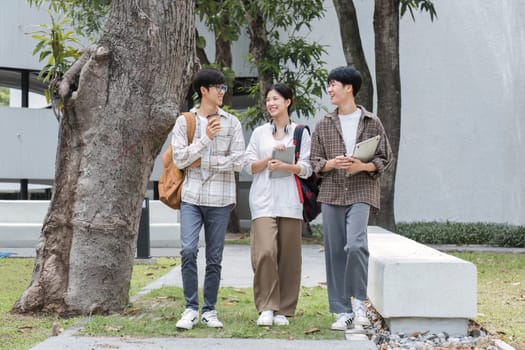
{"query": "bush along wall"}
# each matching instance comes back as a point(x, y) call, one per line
point(497, 235)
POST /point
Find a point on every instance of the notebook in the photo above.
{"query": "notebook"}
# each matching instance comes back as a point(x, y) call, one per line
point(287, 156)
point(365, 150)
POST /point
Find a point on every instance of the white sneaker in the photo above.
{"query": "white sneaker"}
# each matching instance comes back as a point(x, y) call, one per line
point(265, 318)
point(343, 321)
point(359, 308)
point(210, 319)
point(188, 319)
point(280, 320)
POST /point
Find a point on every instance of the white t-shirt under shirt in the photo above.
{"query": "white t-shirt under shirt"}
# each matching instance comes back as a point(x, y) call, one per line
point(349, 124)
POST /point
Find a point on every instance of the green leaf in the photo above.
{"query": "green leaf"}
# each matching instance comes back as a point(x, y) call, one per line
point(43, 55)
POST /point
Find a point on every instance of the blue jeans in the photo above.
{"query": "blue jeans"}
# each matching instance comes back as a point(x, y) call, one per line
point(215, 221)
point(346, 253)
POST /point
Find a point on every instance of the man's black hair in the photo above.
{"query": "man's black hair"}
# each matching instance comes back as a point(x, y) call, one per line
point(347, 75)
point(205, 78)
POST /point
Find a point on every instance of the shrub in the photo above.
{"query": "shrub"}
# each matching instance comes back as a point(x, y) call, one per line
point(499, 235)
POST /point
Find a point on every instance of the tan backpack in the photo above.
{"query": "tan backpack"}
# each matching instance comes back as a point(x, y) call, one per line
point(171, 179)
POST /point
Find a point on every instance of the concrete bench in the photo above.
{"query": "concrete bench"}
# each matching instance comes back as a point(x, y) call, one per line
point(164, 225)
point(21, 223)
point(416, 288)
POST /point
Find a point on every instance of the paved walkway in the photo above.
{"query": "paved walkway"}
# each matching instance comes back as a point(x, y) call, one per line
point(158, 252)
point(236, 273)
point(104, 343)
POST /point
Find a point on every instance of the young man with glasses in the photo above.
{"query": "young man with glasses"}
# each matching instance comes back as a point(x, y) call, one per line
point(208, 191)
point(349, 189)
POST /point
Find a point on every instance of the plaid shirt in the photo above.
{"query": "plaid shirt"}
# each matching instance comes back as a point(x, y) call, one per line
point(220, 158)
point(327, 143)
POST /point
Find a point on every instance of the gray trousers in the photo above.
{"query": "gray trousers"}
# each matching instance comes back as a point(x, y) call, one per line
point(346, 254)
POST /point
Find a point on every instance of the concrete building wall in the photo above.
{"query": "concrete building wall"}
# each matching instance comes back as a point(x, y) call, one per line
point(28, 143)
point(462, 127)
point(462, 132)
point(17, 22)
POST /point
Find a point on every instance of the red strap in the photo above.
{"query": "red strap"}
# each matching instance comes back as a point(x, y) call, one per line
point(298, 183)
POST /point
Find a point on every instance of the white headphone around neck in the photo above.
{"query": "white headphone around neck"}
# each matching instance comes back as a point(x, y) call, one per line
point(287, 127)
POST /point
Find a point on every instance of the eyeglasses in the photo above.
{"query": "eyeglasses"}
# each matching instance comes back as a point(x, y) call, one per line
point(221, 88)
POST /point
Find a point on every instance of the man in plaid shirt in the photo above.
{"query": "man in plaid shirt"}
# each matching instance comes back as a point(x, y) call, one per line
point(349, 188)
point(208, 191)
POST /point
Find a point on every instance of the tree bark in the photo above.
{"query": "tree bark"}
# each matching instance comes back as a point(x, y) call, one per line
point(234, 226)
point(386, 30)
point(121, 99)
point(223, 57)
point(259, 46)
point(353, 49)
point(201, 53)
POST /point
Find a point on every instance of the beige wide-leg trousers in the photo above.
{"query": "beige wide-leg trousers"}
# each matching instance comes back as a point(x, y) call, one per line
point(275, 245)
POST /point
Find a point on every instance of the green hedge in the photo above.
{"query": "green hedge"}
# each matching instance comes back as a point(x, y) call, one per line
point(498, 235)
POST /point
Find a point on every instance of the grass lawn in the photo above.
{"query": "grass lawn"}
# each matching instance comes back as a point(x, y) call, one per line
point(21, 332)
point(156, 314)
point(501, 294)
point(501, 307)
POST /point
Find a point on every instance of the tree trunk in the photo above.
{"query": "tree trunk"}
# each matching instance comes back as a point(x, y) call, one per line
point(234, 226)
point(386, 29)
point(223, 52)
point(121, 99)
point(223, 57)
point(201, 53)
point(353, 49)
point(259, 46)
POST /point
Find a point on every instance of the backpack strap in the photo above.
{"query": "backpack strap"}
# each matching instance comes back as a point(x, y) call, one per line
point(297, 137)
point(190, 125)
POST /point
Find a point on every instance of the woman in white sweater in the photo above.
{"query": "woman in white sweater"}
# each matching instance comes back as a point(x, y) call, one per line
point(276, 210)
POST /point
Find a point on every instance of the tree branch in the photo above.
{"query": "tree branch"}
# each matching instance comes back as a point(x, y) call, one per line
point(70, 78)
